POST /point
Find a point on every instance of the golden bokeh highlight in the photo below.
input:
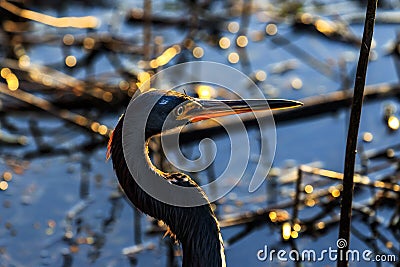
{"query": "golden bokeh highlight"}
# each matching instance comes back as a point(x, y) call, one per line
point(143, 76)
point(89, 240)
point(294, 234)
point(88, 43)
point(123, 85)
point(396, 188)
point(306, 18)
point(224, 43)
point(261, 75)
point(51, 223)
point(297, 227)
point(74, 248)
point(103, 130)
point(70, 61)
point(286, 231)
point(310, 202)
point(107, 96)
point(308, 189)
point(296, 83)
point(75, 22)
point(273, 216)
point(233, 27)
point(198, 52)
point(205, 91)
point(11, 79)
point(320, 225)
point(393, 123)
point(12, 82)
point(95, 126)
point(242, 41)
point(142, 79)
point(153, 64)
point(80, 120)
point(7, 176)
point(233, 57)
point(177, 48)
point(68, 234)
point(165, 57)
point(325, 27)
point(24, 61)
point(5, 72)
point(390, 154)
point(3, 185)
point(271, 29)
point(11, 26)
point(47, 80)
point(368, 137)
point(335, 193)
point(68, 39)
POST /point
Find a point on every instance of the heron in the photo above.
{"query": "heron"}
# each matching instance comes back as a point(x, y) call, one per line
point(195, 228)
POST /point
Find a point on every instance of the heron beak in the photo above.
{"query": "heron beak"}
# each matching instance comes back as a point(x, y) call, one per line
point(218, 108)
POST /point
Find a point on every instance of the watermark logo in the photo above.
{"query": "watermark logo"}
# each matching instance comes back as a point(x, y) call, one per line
point(329, 254)
point(341, 243)
point(137, 118)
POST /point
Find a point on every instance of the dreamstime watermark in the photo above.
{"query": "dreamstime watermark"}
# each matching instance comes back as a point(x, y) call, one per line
point(234, 84)
point(330, 254)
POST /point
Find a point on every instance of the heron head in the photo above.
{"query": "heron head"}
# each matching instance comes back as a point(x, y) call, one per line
point(167, 112)
point(174, 109)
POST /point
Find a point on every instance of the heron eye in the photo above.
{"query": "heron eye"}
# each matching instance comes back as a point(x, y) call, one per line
point(179, 111)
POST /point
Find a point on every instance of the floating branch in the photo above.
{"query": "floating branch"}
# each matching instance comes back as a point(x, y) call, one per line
point(74, 22)
point(64, 114)
point(131, 251)
point(12, 140)
point(358, 179)
point(54, 79)
point(334, 30)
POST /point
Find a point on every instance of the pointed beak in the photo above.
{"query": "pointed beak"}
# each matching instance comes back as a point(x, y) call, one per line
point(208, 109)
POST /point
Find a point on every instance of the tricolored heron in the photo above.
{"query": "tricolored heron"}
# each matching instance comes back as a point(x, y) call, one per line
point(196, 228)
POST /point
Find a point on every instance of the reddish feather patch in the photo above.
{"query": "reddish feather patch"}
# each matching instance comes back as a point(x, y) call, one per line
point(109, 146)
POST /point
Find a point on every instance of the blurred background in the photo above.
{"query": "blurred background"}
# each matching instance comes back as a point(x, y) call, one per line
point(69, 69)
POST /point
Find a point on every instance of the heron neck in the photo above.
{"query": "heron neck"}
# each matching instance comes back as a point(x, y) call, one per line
point(203, 249)
point(195, 227)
